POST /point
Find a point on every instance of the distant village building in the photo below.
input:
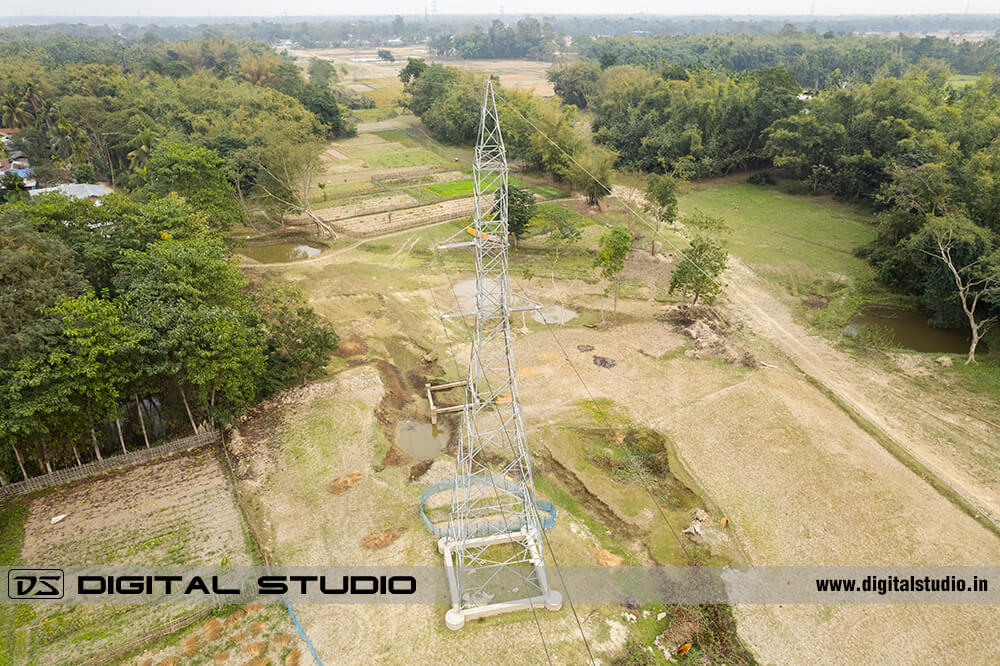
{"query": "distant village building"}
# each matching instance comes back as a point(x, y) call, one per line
point(27, 175)
point(75, 191)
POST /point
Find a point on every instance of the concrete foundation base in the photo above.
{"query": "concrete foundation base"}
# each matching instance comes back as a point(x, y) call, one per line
point(461, 611)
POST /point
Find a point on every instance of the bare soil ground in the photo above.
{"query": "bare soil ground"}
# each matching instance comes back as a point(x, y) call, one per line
point(367, 205)
point(799, 480)
point(389, 221)
point(178, 510)
point(943, 432)
point(527, 75)
point(328, 433)
point(253, 634)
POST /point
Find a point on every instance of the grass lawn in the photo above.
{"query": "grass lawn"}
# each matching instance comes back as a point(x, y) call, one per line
point(456, 188)
point(775, 229)
point(463, 188)
point(12, 517)
point(386, 91)
point(406, 158)
point(374, 115)
point(962, 80)
point(806, 244)
point(547, 191)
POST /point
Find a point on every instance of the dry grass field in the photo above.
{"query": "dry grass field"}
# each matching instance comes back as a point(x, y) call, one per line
point(801, 482)
point(374, 78)
point(175, 511)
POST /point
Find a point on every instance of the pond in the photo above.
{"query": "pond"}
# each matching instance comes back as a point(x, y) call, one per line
point(553, 314)
point(422, 440)
point(909, 329)
point(280, 252)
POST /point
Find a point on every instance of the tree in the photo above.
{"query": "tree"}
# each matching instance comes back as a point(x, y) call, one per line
point(967, 252)
point(615, 245)
point(661, 202)
point(36, 272)
point(12, 186)
point(186, 298)
point(575, 83)
point(198, 175)
point(287, 175)
point(323, 103)
point(414, 68)
point(520, 210)
point(84, 173)
point(698, 273)
point(297, 341)
point(15, 112)
point(322, 72)
point(144, 144)
point(385, 55)
point(591, 174)
point(96, 344)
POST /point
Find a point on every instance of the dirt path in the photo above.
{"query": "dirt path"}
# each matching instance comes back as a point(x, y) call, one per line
point(802, 483)
point(924, 427)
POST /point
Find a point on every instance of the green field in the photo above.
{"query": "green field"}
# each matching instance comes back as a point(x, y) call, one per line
point(805, 244)
point(962, 80)
point(775, 229)
point(374, 115)
point(463, 188)
point(396, 160)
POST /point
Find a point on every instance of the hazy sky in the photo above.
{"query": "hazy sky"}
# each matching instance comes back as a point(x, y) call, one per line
point(536, 7)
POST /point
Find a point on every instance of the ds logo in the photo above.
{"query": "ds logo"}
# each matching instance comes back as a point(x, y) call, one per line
point(35, 584)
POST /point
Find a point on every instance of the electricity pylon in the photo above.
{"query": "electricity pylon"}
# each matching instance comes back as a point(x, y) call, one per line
point(492, 546)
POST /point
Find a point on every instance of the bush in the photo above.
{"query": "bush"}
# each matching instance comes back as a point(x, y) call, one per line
point(761, 178)
point(796, 187)
point(83, 173)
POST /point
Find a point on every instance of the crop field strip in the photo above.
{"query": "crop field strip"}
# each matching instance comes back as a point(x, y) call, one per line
point(170, 512)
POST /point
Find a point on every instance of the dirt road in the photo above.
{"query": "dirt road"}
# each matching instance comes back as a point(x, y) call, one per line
point(943, 439)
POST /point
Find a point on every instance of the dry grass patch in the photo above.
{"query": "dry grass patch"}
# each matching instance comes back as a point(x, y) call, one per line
point(382, 539)
point(212, 629)
point(190, 645)
point(235, 618)
point(342, 484)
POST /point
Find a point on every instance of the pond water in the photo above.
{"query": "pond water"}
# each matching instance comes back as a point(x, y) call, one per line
point(422, 440)
point(553, 314)
point(280, 252)
point(910, 330)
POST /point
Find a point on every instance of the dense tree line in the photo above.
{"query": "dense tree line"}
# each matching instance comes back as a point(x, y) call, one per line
point(246, 105)
point(928, 158)
point(697, 124)
point(449, 100)
point(817, 61)
point(924, 154)
point(595, 25)
point(525, 39)
point(100, 43)
point(130, 319)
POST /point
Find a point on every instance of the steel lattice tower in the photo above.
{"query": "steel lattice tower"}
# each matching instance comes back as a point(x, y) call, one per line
point(493, 545)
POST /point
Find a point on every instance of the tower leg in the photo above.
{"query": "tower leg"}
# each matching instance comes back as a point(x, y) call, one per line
point(454, 619)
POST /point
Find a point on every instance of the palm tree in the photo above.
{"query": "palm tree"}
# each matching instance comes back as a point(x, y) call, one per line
point(61, 139)
point(32, 96)
point(68, 142)
point(144, 143)
point(14, 112)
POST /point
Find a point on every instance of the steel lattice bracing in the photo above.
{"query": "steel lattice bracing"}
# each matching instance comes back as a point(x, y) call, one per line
point(493, 543)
